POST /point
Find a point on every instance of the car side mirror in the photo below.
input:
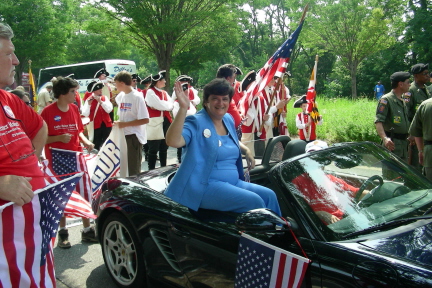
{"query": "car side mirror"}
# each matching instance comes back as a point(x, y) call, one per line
point(261, 220)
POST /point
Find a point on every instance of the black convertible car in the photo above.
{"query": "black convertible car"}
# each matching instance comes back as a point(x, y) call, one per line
point(360, 214)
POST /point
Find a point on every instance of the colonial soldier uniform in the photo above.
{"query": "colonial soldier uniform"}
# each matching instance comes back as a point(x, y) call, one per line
point(194, 101)
point(102, 74)
point(98, 112)
point(159, 105)
point(306, 133)
point(392, 112)
point(254, 119)
point(135, 80)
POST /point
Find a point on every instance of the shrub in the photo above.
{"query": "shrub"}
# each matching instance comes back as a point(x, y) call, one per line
point(344, 120)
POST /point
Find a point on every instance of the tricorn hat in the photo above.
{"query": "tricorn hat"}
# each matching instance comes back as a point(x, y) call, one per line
point(238, 71)
point(248, 79)
point(184, 78)
point(94, 86)
point(146, 80)
point(100, 72)
point(161, 75)
point(300, 101)
point(136, 77)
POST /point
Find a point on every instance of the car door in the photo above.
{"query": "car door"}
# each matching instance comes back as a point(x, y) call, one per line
point(206, 251)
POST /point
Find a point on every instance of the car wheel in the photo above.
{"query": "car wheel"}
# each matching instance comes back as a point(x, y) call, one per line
point(122, 252)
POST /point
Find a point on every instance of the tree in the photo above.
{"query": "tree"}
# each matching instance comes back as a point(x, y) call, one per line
point(39, 35)
point(161, 27)
point(419, 31)
point(352, 30)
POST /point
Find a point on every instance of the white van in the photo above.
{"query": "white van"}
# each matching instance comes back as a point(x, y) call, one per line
point(84, 72)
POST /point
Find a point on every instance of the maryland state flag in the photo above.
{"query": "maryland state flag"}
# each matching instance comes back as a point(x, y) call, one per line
point(311, 94)
point(33, 95)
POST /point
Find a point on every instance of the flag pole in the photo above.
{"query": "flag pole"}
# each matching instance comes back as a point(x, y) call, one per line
point(280, 80)
point(278, 84)
point(32, 86)
point(304, 13)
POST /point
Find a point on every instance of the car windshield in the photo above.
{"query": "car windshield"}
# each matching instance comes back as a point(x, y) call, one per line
point(352, 187)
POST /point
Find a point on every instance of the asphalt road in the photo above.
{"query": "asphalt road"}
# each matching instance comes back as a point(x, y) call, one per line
point(82, 265)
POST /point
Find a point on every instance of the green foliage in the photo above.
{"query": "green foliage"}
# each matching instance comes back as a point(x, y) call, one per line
point(39, 35)
point(350, 29)
point(344, 120)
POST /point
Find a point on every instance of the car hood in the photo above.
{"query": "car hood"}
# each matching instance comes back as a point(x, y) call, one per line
point(412, 243)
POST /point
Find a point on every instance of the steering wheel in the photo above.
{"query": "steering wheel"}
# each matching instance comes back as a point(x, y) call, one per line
point(365, 184)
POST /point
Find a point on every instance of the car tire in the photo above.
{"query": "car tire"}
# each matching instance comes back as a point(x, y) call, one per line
point(122, 252)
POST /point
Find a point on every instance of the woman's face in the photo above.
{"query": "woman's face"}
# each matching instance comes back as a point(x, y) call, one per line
point(161, 83)
point(217, 105)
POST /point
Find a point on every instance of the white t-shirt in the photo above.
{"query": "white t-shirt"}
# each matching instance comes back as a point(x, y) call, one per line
point(131, 107)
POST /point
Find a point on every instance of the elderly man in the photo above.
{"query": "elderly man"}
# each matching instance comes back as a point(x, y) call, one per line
point(24, 135)
point(44, 98)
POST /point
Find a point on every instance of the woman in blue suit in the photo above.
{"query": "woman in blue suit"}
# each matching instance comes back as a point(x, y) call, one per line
point(211, 172)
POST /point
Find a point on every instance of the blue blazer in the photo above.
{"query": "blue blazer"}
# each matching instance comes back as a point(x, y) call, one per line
point(191, 180)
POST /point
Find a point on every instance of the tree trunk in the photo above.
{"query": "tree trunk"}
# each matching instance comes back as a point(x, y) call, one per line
point(353, 72)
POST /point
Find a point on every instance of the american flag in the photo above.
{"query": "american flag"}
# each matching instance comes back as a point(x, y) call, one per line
point(53, 201)
point(28, 235)
point(275, 66)
point(260, 264)
point(76, 206)
point(67, 162)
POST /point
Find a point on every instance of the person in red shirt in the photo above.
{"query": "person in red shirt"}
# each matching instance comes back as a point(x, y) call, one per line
point(65, 131)
point(98, 107)
point(22, 137)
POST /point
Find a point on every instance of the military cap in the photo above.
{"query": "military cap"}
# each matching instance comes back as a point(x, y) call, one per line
point(400, 76)
point(161, 75)
point(136, 77)
point(100, 72)
point(146, 80)
point(94, 86)
point(299, 102)
point(248, 79)
point(418, 68)
point(184, 78)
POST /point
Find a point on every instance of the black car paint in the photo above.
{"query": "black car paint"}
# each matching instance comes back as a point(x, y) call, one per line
point(204, 253)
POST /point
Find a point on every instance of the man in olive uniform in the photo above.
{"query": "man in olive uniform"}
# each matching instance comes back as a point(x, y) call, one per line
point(429, 88)
point(416, 95)
point(391, 120)
point(421, 130)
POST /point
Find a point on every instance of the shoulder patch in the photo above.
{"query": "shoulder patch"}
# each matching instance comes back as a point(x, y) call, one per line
point(383, 101)
point(407, 97)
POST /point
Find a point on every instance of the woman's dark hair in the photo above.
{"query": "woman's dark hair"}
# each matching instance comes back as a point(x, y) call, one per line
point(62, 85)
point(218, 86)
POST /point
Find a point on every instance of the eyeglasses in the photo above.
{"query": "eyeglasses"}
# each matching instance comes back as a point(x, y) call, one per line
point(425, 73)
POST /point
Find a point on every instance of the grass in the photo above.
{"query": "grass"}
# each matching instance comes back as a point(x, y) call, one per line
point(344, 120)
